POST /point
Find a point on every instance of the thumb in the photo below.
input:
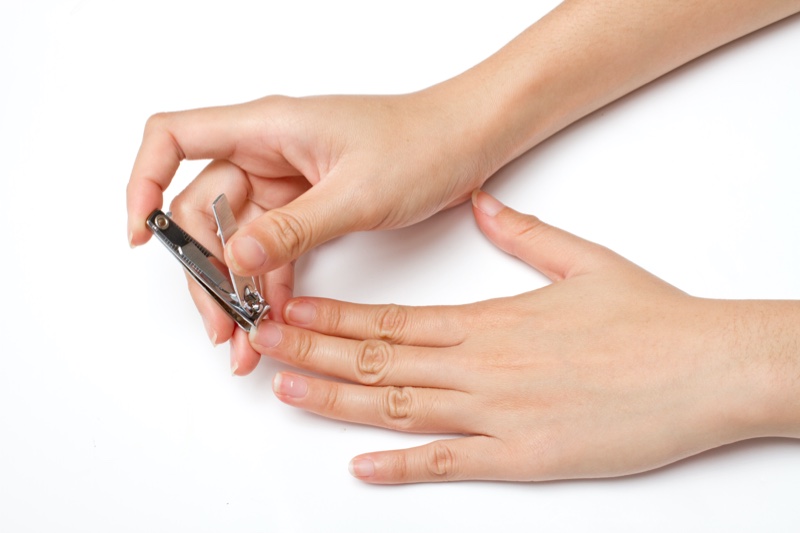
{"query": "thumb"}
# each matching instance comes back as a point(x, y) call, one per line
point(554, 252)
point(285, 233)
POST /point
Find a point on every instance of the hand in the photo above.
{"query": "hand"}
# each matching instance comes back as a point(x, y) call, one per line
point(606, 372)
point(299, 172)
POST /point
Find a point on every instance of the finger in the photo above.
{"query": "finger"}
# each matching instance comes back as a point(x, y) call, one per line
point(475, 457)
point(396, 324)
point(169, 138)
point(191, 209)
point(282, 235)
point(369, 362)
point(249, 196)
point(244, 358)
point(277, 289)
point(412, 409)
point(218, 325)
point(554, 252)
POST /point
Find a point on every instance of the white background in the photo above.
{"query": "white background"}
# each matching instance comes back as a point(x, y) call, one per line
point(118, 415)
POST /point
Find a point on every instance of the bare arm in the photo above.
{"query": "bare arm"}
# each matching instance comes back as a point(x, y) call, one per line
point(585, 54)
point(301, 171)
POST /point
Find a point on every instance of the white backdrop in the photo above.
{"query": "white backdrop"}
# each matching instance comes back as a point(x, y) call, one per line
point(118, 415)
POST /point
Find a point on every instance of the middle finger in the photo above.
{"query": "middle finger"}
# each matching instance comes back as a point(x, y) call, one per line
point(368, 362)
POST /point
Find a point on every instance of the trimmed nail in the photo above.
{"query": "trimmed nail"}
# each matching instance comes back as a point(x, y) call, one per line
point(301, 312)
point(289, 385)
point(130, 240)
point(234, 361)
point(361, 468)
point(486, 204)
point(212, 335)
point(247, 253)
point(266, 334)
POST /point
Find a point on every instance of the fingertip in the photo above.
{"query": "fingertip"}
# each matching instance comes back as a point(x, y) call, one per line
point(246, 255)
point(361, 468)
point(218, 326)
point(210, 331)
point(486, 203)
point(243, 357)
point(138, 233)
point(290, 387)
point(300, 312)
point(490, 214)
point(143, 197)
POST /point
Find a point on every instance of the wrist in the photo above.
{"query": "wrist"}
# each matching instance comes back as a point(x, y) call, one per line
point(763, 366)
point(775, 346)
point(580, 57)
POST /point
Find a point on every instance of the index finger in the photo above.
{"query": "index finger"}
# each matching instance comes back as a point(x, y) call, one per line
point(169, 138)
point(434, 326)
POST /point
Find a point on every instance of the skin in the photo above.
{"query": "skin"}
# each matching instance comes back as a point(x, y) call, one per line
point(301, 171)
point(606, 372)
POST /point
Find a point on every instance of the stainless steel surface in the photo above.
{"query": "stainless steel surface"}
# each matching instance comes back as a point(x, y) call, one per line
point(245, 287)
point(246, 310)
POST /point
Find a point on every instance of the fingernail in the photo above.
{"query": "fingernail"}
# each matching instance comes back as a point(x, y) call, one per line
point(361, 468)
point(212, 335)
point(130, 240)
point(247, 254)
point(486, 204)
point(266, 335)
point(234, 362)
point(301, 312)
point(289, 385)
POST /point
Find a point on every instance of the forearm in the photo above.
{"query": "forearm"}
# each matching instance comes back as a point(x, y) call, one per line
point(768, 347)
point(585, 54)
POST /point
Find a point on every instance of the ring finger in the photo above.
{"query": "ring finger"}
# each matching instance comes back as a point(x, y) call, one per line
point(412, 409)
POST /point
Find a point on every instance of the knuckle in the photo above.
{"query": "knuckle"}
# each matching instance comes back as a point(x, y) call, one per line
point(156, 122)
point(528, 232)
point(400, 469)
point(180, 208)
point(292, 234)
point(391, 323)
point(530, 228)
point(303, 350)
point(372, 361)
point(331, 317)
point(331, 399)
point(440, 461)
point(398, 408)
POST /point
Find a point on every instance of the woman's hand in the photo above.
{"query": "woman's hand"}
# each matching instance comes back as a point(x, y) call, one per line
point(606, 372)
point(299, 172)
point(302, 171)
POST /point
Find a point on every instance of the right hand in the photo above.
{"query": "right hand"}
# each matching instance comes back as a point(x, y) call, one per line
point(301, 171)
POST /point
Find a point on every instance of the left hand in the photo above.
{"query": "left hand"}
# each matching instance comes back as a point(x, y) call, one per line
point(606, 372)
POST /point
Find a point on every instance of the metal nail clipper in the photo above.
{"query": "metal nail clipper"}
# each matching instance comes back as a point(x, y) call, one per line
point(239, 296)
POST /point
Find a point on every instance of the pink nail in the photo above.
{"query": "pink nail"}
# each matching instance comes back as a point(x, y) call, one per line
point(361, 468)
point(290, 385)
point(212, 335)
point(267, 335)
point(488, 205)
point(247, 253)
point(301, 313)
